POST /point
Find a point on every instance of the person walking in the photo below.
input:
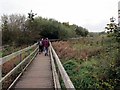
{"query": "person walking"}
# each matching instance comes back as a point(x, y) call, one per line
point(40, 43)
point(46, 46)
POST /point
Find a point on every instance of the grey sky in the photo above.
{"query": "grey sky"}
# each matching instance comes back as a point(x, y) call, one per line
point(91, 14)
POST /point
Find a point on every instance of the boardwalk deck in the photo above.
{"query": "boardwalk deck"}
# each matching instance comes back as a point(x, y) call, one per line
point(37, 75)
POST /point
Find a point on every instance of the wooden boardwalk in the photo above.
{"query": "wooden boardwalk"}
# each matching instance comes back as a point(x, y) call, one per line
point(38, 74)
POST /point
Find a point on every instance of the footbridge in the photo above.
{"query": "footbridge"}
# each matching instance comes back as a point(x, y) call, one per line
point(27, 68)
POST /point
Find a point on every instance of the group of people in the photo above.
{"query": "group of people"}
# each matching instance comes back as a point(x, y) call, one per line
point(43, 46)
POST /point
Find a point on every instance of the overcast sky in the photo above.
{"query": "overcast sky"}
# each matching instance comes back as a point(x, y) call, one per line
point(91, 14)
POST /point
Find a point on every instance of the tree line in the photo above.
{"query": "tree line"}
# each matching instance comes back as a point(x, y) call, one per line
point(18, 29)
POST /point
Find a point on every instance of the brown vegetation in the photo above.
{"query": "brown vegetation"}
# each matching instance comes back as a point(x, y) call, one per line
point(65, 50)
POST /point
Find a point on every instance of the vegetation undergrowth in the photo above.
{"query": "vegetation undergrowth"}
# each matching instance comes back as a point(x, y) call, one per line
point(90, 62)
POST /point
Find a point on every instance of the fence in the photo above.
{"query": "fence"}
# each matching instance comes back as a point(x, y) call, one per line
point(16, 63)
point(23, 58)
point(59, 72)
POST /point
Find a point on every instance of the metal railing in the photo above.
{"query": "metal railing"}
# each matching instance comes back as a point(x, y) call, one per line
point(59, 72)
point(20, 67)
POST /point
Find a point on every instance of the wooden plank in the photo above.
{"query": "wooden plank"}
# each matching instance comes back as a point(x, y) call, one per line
point(38, 75)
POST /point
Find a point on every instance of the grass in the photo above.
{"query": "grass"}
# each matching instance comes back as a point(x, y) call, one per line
point(82, 74)
point(90, 62)
point(11, 49)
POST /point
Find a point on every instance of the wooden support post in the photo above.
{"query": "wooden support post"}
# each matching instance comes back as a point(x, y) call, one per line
point(0, 73)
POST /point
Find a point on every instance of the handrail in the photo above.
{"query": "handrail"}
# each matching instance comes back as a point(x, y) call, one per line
point(24, 68)
point(21, 63)
point(14, 69)
point(64, 75)
point(54, 61)
point(54, 73)
point(9, 57)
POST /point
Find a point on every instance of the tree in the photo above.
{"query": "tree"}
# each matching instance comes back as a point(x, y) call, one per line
point(6, 34)
point(19, 30)
point(114, 71)
point(12, 28)
point(80, 31)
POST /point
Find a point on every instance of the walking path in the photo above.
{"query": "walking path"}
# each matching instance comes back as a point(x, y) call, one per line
point(37, 75)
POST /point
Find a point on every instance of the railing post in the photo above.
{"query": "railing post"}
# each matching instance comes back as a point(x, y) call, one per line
point(28, 52)
point(0, 73)
point(20, 57)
